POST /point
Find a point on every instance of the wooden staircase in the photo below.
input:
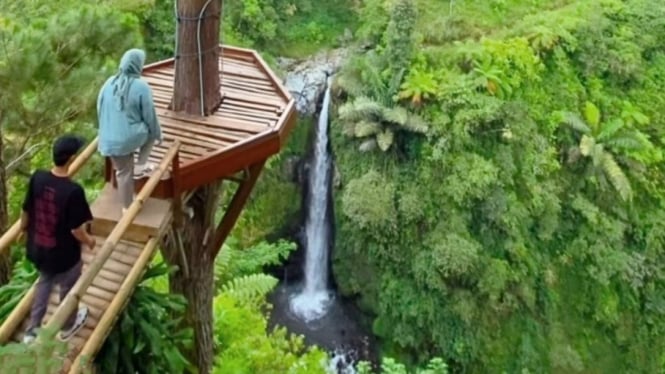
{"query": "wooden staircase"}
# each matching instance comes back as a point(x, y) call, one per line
point(125, 245)
point(125, 259)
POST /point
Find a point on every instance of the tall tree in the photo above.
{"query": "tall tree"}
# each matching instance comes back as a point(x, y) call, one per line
point(197, 92)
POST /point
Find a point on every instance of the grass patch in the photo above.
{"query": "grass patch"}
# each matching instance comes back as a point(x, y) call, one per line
point(315, 29)
point(441, 22)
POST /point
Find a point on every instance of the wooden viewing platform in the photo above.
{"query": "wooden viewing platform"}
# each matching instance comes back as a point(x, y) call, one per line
point(252, 123)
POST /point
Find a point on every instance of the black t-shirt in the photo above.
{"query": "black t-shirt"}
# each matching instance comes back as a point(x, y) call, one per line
point(55, 206)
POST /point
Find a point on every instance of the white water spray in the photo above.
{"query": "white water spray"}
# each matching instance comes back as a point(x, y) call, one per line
point(312, 302)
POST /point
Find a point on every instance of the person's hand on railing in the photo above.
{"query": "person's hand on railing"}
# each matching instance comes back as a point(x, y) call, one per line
point(92, 242)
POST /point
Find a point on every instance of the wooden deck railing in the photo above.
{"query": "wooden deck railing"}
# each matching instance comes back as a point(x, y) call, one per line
point(14, 231)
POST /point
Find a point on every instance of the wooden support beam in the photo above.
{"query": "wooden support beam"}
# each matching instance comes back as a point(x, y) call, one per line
point(177, 198)
point(71, 302)
point(14, 231)
point(235, 208)
point(103, 328)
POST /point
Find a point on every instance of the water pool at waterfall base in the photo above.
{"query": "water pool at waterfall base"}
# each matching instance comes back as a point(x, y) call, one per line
point(310, 305)
point(337, 330)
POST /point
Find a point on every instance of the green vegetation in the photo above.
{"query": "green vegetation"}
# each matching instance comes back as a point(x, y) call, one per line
point(291, 28)
point(522, 232)
point(502, 206)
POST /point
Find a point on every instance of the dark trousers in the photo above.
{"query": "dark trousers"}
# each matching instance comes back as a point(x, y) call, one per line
point(65, 280)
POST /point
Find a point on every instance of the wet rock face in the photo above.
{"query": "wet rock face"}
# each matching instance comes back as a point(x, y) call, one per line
point(306, 79)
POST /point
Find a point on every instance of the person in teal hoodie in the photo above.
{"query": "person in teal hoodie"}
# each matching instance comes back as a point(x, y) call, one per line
point(127, 123)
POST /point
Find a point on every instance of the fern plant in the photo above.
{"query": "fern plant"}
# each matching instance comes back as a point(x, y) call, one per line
point(245, 343)
point(604, 143)
point(374, 116)
point(23, 276)
point(419, 86)
point(376, 124)
point(250, 289)
point(232, 263)
point(148, 337)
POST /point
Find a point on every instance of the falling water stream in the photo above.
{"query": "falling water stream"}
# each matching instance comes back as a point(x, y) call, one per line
point(315, 297)
point(310, 307)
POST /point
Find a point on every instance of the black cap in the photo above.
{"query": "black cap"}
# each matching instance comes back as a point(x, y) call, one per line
point(65, 147)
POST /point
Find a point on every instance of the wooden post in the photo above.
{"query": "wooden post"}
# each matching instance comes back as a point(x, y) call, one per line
point(14, 231)
point(71, 302)
point(177, 198)
point(235, 208)
point(111, 314)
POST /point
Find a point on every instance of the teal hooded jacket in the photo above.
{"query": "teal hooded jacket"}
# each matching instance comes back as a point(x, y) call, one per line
point(125, 109)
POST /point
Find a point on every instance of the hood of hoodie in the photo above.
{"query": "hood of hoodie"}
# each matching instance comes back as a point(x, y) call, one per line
point(132, 62)
point(131, 66)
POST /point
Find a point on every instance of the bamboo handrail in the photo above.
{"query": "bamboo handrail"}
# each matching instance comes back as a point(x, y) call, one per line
point(111, 314)
point(71, 302)
point(14, 231)
point(16, 316)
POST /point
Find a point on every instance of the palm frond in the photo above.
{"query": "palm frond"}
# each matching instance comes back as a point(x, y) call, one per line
point(416, 124)
point(574, 155)
point(396, 115)
point(592, 116)
point(617, 177)
point(587, 144)
point(368, 145)
point(574, 121)
point(361, 108)
point(366, 128)
point(627, 143)
point(349, 82)
point(610, 129)
point(385, 139)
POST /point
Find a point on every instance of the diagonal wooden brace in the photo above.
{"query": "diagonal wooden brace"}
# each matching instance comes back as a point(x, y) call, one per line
point(235, 208)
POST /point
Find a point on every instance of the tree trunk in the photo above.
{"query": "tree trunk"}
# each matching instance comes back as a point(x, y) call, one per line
point(189, 71)
point(197, 284)
point(197, 37)
point(5, 259)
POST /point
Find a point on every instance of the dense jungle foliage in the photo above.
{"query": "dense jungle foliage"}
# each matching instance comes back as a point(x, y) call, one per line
point(502, 203)
point(501, 206)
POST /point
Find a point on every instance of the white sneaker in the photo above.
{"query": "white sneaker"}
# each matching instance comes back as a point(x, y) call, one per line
point(142, 171)
point(29, 337)
point(81, 317)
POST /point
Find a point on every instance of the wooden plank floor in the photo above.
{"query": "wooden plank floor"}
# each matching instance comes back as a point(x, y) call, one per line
point(252, 105)
point(151, 221)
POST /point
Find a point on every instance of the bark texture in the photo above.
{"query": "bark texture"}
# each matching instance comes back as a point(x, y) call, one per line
point(197, 285)
point(191, 97)
point(190, 72)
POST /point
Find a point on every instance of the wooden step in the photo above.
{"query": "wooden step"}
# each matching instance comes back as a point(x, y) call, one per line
point(103, 288)
point(151, 221)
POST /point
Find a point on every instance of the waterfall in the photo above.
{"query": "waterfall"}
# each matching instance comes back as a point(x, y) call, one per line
point(315, 297)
